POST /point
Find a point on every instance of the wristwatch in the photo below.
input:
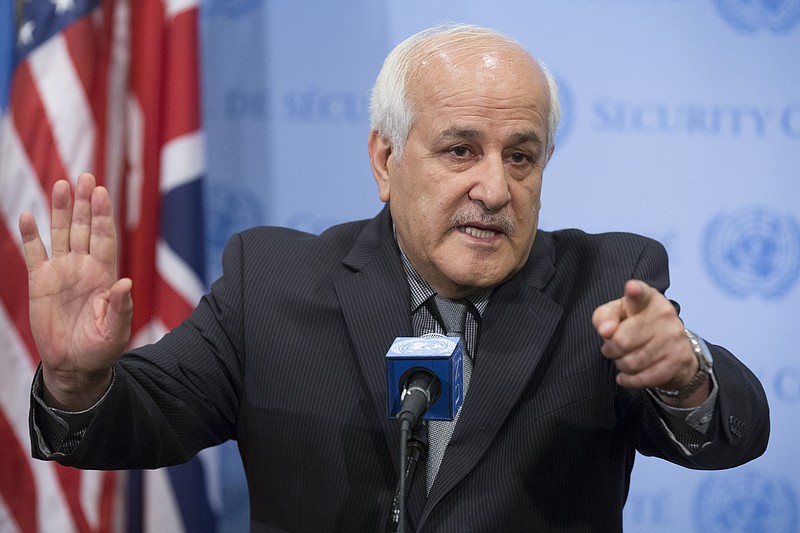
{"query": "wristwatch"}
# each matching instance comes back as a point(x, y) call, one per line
point(705, 364)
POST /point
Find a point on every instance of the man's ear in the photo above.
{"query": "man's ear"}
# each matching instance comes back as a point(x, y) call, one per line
point(550, 153)
point(380, 151)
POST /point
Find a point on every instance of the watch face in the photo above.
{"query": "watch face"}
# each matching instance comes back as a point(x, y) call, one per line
point(706, 352)
point(701, 351)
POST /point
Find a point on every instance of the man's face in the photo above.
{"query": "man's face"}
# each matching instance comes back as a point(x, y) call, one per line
point(465, 196)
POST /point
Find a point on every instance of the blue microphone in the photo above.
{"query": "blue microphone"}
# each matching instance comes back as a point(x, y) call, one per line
point(424, 378)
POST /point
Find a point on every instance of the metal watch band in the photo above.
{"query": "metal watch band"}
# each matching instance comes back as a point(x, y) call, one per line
point(703, 371)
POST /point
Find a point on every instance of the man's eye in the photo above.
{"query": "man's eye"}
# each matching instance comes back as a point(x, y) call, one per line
point(519, 157)
point(460, 151)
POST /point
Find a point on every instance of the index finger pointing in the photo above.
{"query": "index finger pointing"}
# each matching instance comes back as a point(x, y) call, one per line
point(638, 296)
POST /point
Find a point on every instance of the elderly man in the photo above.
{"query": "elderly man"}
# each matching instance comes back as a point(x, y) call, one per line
point(576, 358)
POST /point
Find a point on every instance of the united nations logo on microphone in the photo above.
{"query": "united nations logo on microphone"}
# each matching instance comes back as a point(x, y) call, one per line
point(745, 503)
point(777, 16)
point(428, 345)
point(753, 251)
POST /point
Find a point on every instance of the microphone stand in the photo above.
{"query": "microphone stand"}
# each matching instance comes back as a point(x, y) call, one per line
point(420, 389)
point(413, 450)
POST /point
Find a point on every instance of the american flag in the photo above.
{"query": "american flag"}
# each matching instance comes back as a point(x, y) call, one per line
point(110, 87)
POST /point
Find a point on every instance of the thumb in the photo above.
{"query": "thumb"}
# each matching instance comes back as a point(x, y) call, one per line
point(120, 309)
point(607, 317)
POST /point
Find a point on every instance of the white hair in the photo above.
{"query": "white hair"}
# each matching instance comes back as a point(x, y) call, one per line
point(391, 113)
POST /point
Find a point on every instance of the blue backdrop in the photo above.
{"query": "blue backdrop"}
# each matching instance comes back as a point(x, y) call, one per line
point(681, 122)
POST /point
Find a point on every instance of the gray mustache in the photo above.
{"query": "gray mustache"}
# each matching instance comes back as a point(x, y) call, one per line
point(499, 219)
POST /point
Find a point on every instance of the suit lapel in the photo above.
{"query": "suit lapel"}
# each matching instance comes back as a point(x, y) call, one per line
point(376, 305)
point(375, 302)
point(515, 331)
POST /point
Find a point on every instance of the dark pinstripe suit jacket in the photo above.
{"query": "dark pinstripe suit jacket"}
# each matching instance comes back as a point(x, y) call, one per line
point(286, 355)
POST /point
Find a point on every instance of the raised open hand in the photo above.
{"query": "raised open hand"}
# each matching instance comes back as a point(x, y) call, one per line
point(80, 312)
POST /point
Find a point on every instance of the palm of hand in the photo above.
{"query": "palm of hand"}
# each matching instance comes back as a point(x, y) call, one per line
point(80, 313)
point(69, 304)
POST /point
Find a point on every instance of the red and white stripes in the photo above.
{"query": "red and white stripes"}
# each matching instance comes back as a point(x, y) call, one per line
point(115, 92)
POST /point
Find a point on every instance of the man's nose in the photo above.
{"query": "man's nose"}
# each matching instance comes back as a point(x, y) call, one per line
point(491, 183)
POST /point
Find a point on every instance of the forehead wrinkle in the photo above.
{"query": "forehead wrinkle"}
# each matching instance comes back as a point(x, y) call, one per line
point(513, 139)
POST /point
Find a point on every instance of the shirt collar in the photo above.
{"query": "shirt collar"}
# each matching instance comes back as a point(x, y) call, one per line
point(421, 290)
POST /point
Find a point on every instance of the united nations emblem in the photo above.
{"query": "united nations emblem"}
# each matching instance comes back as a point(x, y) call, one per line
point(432, 345)
point(231, 208)
point(748, 16)
point(745, 503)
point(753, 251)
